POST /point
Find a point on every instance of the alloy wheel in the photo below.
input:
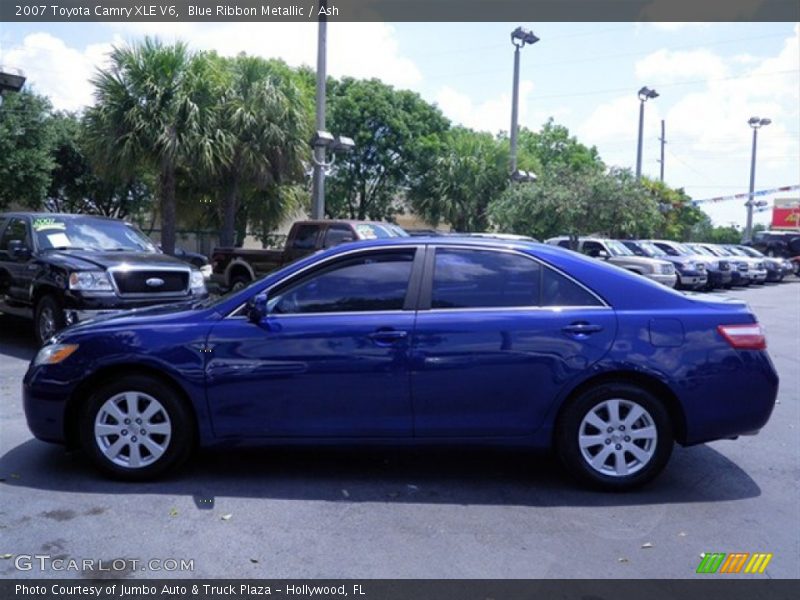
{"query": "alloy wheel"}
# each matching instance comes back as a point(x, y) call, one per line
point(132, 429)
point(617, 437)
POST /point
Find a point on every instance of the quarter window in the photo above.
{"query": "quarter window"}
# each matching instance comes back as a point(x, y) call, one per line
point(17, 230)
point(372, 282)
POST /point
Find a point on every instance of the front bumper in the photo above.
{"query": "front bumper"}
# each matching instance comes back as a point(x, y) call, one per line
point(719, 278)
point(664, 279)
point(692, 279)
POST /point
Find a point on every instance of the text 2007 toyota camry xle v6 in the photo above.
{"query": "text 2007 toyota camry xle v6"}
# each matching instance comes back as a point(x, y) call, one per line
point(423, 341)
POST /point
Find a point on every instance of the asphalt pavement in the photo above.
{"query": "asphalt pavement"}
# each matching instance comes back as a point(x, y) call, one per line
point(405, 513)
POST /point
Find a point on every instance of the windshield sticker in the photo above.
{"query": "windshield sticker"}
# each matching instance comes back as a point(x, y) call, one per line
point(366, 232)
point(58, 240)
point(48, 223)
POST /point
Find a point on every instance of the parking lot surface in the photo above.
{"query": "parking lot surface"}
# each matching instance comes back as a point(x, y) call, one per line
point(403, 513)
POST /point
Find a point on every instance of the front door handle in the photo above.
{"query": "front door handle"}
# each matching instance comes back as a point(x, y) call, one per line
point(387, 337)
point(581, 328)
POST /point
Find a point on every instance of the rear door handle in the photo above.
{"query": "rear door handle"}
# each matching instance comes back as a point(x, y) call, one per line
point(581, 328)
point(387, 337)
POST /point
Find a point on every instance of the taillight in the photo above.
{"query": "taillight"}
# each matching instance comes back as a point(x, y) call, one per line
point(744, 337)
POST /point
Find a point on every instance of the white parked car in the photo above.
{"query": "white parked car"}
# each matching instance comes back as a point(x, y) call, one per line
point(618, 254)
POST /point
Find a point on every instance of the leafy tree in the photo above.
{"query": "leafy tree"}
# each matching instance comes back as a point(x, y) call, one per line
point(392, 130)
point(26, 144)
point(264, 120)
point(578, 202)
point(554, 149)
point(679, 216)
point(75, 188)
point(461, 177)
point(153, 114)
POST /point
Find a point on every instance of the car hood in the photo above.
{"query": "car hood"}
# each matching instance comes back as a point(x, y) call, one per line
point(637, 260)
point(83, 260)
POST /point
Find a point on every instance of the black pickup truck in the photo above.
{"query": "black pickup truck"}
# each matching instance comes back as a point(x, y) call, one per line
point(235, 268)
point(58, 269)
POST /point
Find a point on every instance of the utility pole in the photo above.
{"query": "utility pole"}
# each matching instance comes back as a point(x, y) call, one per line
point(663, 140)
point(519, 38)
point(318, 185)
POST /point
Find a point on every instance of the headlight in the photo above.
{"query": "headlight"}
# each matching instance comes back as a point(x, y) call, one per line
point(688, 266)
point(90, 281)
point(198, 282)
point(54, 354)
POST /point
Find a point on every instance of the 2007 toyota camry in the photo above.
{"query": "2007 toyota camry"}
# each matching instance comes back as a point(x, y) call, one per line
point(424, 341)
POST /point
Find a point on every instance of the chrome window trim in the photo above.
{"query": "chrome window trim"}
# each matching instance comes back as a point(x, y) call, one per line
point(415, 248)
point(603, 303)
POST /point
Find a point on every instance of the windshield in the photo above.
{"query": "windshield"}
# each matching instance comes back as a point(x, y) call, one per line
point(736, 251)
point(87, 233)
point(750, 251)
point(618, 248)
point(651, 249)
point(682, 249)
point(373, 231)
point(718, 251)
point(700, 250)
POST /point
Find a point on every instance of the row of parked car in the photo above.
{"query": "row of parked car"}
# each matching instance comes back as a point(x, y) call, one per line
point(687, 266)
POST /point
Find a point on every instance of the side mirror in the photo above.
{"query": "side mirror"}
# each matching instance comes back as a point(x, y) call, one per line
point(257, 308)
point(17, 249)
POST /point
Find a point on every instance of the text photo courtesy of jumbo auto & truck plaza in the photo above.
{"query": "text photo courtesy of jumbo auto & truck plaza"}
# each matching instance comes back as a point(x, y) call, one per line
point(381, 299)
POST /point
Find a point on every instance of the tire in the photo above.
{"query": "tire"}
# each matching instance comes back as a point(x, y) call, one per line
point(113, 445)
point(653, 449)
point(48, 318)
point(239, 282)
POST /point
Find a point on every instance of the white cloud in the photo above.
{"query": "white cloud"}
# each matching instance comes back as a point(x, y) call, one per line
point(355, 49)
point(708, 140)
point(666, 66)
point(57, 70)
point(492, 115)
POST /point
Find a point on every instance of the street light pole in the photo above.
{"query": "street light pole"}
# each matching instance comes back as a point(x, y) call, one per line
point(318, 185)
point(644, 95)
point(519, 38)
point(663, 141)
point(756, 124)
point(515, 109)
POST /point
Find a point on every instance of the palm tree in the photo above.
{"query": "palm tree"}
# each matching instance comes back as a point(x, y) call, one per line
point(154, 111)
point(264, 119)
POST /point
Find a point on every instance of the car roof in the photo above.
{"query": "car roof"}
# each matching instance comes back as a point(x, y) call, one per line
point(50, 215)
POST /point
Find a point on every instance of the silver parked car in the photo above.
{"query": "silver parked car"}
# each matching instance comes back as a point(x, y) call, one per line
point(618, 254)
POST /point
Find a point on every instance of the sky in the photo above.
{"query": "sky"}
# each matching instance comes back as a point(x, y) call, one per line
point(711, 77)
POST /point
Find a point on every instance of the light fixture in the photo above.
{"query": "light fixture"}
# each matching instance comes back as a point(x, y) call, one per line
point(523, 36)
point(523, 176)
point(343, 144)
point(647, 94)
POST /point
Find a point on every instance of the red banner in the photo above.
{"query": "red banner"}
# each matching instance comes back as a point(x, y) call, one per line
point(786, 218)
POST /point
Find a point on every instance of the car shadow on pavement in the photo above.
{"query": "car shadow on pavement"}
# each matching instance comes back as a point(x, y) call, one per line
point(16, 338)
point(464, 476)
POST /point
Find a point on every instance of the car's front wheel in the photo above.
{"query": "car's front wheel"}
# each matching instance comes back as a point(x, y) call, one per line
point(615, 436)
point(136, 428)
point(48, 318)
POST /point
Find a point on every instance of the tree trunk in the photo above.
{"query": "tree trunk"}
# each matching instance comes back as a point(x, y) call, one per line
point(230, 204)
point(167, 198)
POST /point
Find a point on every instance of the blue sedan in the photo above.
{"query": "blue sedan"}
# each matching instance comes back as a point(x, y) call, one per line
point(419, 341)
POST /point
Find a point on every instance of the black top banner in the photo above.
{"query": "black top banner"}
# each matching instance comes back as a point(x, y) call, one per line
point(398, 10)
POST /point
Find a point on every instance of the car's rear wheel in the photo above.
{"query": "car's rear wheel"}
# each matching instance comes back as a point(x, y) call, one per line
point(136, 428)
point(615, 436)
point(48, 318)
